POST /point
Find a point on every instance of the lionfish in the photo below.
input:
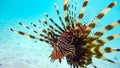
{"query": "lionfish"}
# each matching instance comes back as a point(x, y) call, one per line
point(72, 40)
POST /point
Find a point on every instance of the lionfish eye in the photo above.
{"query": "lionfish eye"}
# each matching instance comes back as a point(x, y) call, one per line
point(73, 40)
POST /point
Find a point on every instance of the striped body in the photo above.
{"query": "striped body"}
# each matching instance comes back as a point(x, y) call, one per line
point(72, 40)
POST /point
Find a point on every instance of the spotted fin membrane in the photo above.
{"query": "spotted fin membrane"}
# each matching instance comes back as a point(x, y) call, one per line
point(72, 40)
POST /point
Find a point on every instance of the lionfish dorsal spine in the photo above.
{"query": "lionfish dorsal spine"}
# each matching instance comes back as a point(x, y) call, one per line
point(39, 28)
point(61, 29)
point(48, 26)
point(44, 31)
point(72, 12)
point(60, 18)
point(34, 31)
point(36, 26)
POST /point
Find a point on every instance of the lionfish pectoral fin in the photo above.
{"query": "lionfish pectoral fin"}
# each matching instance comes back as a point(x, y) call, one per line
point(100, 56)
point(66, 17)
point(29, 35)
point(101, 32)
point(99, 16)
point(101, 42)
point(103, 58)
point(105, 50)
point(93, 65)
point(34, 31)
point(81, 14)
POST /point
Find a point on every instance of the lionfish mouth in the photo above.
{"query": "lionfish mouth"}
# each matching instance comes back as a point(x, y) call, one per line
point(72, 39)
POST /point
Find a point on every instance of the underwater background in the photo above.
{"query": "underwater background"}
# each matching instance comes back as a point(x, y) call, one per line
point(17, 51)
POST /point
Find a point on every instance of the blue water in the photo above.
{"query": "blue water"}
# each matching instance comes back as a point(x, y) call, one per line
point(17, 51)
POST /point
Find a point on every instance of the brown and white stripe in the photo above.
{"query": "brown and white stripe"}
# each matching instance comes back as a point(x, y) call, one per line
point(34, 31)
point(44, 21)
point(96, 20)
point(58, 13)
point(42, 30)
point(98, 52)
point(81, 14)
point(103, 41)
point(66, 6)
point(105, 50)
point(100, 15)
point(30, 36)
point(99, 33)
point(54, 22)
